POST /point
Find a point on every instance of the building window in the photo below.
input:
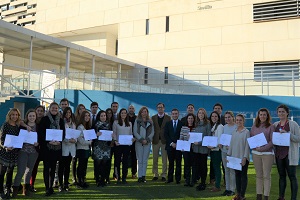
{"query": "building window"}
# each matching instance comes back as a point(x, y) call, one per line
point(146, 76)
point(167, 23)
point(117, 43)
point(166, 75)
point(147, 26)
point(276, 10)
point(276, 71)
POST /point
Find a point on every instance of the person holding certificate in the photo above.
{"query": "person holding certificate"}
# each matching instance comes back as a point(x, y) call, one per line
point(51, 151)
point(143, 131)
point(215, 153)
point(287, 156)
point(83, 148)
point(229, 173)
point(8, 155)
point(121, 126)
point(239, 148)
point(68, 151)
point(263, 156)
point(188, 157)
point(40, 112)
point(101, 150)
point(79, 109)
point(201, 152)
point(27, 157)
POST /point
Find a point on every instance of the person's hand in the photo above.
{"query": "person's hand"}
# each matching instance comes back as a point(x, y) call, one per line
point(220, 146)
point(36, 144)
point(227, 147)
point(144, 142)
point(117, 143)
point(9, 149)
point(174, 145)
point(244, 161)
point(196, 143)
point(72, 140)
point(282, 131)
point(210, 147)
point(133, 140)
point(99, 133)
point(28, 128)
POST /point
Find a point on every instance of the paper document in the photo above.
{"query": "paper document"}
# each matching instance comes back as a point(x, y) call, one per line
point(195, 137)
point(105, 135)
point(13, 141)
point(72, 133)
point(210, 141)
point(281, 139)
point(234, 163)
point(225, 139)
point(54, 135)
point(257, 141)
point(89, 134)
point(125, 139)
point(182, 145)
point(28, 137)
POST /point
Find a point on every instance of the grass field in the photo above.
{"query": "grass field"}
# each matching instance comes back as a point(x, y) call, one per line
point(150, 189)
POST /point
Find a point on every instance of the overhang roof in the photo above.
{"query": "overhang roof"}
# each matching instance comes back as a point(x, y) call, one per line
point(15, 40)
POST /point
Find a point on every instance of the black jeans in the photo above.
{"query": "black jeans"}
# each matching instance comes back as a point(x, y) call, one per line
point(9, 174)
point(82, 156)
point(199, 167)
point(64, 170)
point(284, 168)
point(241, 180)
point(121, 154)
point(74, 169)
point(101, 170)
point(133, 159)
point(174, 156)
point(50, 161)
point(188, 158)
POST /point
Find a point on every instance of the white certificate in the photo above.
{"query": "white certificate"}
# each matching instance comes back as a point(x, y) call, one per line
point(105, 135)
point(28, 137)
point(225, 139)
point(13, 141)
point(281, 139)
point(257, 141)
point(195, 137)
point(182, 145)
point(234, 163)
point(125, 139)
point(54, 135)
point(89, 134)
point(210, 141)
point(72, 133)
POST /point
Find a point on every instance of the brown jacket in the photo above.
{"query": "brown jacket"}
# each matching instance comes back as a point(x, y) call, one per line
point(159, 131)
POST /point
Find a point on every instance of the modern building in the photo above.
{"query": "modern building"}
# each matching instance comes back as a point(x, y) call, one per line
point(238, 46)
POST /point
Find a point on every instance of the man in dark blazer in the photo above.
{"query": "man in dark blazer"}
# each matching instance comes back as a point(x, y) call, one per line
point(159, 142)
point(172, 134)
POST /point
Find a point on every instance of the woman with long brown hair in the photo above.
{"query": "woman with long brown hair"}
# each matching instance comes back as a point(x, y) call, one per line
point(122, 126)
point(263, 157)
point(201, 152)
point(83, 151)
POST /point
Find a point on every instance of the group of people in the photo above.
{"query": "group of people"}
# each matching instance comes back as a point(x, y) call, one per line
point(161, 132)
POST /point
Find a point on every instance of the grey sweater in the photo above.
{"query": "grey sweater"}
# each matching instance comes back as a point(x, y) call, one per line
point(206, 131)
point(239, 147)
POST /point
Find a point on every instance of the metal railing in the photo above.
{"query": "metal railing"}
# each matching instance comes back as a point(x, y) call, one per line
point(236, 83)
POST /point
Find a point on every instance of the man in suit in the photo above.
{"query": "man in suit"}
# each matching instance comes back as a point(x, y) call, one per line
point(132, 118)
point(219, 108)
point(159, 141)
point(172, 134)
point(94, 110)
point(115, 106)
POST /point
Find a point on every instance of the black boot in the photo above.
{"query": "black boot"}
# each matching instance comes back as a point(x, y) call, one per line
point(15, 191)
point(258, 196)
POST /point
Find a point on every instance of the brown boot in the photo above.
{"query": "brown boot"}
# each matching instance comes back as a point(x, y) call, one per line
point(15, 191)
point(26, 190)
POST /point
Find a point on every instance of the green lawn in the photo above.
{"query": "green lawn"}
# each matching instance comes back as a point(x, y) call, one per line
point(150, 189)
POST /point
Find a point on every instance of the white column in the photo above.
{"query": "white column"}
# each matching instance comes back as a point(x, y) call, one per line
point(67, 67)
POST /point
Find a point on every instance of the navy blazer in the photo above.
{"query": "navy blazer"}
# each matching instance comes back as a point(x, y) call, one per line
point(170, 135)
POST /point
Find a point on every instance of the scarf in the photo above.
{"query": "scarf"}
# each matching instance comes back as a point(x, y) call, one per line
point(54, 124)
